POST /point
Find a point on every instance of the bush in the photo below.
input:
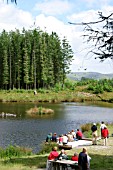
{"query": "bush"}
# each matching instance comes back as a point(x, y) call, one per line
point(98, 89)
point(86, 127)
point(47, 148)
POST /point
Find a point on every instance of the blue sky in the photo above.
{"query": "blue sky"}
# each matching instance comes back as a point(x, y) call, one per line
point(54, 15)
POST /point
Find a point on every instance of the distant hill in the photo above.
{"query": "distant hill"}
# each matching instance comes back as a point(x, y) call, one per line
point(90, 75)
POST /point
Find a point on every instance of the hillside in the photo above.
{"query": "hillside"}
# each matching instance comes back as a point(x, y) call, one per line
point(90, 75)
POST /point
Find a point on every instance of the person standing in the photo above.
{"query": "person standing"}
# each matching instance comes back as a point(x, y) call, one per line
point(83, 160)
point(105, 134)
point(94, 134)
point(102, 127)
point(88, 159)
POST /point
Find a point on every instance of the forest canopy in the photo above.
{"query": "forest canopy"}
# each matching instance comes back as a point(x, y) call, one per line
point(33, 59)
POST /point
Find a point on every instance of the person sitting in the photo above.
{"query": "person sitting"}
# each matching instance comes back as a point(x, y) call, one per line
point(49, 137)
point(60, 139)
point(62, 155)
point(54, 137)
point(52, 156)
point(74, 157)
point(79, 134)
point(70, 137)
point(65, 139)
point(73, 133)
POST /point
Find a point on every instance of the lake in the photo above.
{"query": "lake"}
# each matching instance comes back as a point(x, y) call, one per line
point(29, 132)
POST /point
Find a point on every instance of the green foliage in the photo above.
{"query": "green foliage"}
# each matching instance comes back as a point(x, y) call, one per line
point(42, 90)
point(99, 86)
point(86, 81)
point(69, 84)
point(47, 148)
point(57, 87)
point(14, 151)
point(98, 89)
point(40, 110)
point(86, 127)
point(33, 59)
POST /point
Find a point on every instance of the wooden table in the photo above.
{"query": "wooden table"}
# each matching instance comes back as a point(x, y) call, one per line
point(63, 165)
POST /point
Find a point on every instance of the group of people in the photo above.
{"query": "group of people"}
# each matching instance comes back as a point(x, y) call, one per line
point(104, 133)
point(82, 158)
point(72, 135)
point(65, 138)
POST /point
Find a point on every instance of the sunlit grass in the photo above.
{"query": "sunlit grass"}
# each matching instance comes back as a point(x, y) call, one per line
point(51, 96)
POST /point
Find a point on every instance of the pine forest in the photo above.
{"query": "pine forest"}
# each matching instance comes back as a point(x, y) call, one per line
point(32, 59)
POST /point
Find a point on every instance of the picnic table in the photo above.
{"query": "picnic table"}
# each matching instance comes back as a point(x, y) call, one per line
point(63, 165)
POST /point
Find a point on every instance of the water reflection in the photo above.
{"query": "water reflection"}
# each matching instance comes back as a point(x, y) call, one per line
point(31, 132)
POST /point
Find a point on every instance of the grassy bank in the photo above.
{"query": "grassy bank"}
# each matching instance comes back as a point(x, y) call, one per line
point(101, 155)
point(47, 96)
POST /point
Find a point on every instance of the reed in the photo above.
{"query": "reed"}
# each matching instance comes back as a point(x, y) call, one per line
point(39, 111)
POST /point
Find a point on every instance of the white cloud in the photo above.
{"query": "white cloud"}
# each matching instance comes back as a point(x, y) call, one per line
point(95, 3)
point(54, 7)
point(11, 18)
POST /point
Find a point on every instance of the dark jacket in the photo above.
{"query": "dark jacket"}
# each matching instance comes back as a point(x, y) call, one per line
point(94, 128)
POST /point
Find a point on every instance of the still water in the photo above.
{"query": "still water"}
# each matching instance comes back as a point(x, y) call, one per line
point(29, 132)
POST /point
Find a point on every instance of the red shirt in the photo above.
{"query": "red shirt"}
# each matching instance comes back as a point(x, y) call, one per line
point(79, 133)
point(53, 155)
point(105, 133)
point(60, 139)
point(74, 158)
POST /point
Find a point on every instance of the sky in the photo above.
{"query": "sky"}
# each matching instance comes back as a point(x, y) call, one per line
point(55, 15)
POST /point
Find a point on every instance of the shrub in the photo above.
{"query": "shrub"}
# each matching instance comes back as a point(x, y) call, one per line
point(86, 127)
point(47, 148)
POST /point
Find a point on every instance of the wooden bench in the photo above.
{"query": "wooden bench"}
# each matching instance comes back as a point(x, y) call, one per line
point(63, 165)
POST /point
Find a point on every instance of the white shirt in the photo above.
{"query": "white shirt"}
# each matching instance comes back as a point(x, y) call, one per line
point(102, 126)
point(65, 139)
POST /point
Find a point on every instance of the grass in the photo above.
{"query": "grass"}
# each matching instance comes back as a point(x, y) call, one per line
point(50, 96)
point(102, 156)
